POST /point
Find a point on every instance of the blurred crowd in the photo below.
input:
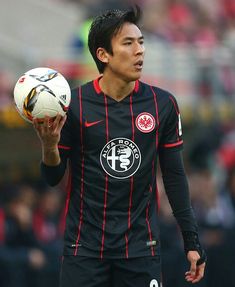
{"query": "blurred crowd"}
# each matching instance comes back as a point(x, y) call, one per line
point(32, 223)
point(32, 214)
point(206, 28)
point(179, 21)
point(212, 191)
point(192, 21)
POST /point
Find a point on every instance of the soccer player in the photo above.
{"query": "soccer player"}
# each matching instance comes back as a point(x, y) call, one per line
point(115, 130)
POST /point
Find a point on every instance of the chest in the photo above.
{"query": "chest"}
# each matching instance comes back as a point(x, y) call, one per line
point(135, 119)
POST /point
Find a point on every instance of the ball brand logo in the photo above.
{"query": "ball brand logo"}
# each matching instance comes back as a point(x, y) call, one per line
point(51, 74)
point(145, 122)
point(21, 80)
point(63, 98)
point(120, 158)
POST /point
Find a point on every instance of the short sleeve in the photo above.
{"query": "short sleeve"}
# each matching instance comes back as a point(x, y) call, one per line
point(68, 130)
point(172, 128)
point(65, 139)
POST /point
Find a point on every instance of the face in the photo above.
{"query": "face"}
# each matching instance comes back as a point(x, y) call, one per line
point(126, 62)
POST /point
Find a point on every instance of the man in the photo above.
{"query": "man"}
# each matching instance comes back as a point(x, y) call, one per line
point(115, 129)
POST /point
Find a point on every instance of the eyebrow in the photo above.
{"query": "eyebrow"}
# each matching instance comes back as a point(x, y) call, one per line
point(133, 38)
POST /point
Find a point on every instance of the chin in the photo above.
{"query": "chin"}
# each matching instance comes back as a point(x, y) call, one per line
point(135, 76)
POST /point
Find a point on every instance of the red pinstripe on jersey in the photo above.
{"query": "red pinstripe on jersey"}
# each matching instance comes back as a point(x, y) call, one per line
point(157, 196)
point(176, 109)
point(106, 180)
point(132, 178)
point(173, 144)
point(82, 175)
point(68, 189)
point(157, 116)
point(127, 252)
point(64, 147)
point(157, 142)
point(148, 225)
point(132, 117)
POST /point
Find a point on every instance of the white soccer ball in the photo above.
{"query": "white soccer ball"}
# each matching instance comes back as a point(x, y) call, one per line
point(42, 92)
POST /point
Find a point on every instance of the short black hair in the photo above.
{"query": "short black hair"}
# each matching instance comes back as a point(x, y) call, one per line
point(105, 26)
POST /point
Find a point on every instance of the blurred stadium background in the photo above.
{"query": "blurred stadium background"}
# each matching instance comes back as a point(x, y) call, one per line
point(190, 51)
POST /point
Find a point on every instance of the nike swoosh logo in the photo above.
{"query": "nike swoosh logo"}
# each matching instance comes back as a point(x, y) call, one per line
point(90, 124)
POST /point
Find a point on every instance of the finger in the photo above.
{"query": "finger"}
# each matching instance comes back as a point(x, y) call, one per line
point(190, 279)
point(198, 276)
point(57, 120)
point(201, 268)
point(199, 273)
point(35, 123)
point(190, 275)
point(37, 126)
point(193, 267)
point(62, 122)
point(45, 121)
point(46, 124)
point(197, 279)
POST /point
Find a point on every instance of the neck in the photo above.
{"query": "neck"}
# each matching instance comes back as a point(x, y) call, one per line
point(116, 88)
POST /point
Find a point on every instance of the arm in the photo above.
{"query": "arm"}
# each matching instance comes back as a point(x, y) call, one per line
point(176, 186)
point(49, 132)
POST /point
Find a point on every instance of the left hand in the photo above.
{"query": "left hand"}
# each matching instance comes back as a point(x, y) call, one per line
point(196, 272)
point(49, 131)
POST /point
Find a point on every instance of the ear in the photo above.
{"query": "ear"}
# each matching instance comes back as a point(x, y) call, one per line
point(102, 55)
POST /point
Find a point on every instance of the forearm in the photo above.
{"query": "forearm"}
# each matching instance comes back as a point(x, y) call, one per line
point(178, 196)
point(176, 186)
point(53, 174)
point(53, 166)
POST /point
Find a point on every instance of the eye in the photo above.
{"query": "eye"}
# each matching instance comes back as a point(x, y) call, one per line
point(127, 43)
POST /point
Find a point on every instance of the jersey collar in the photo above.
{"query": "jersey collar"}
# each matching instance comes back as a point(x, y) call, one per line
point(98, 89)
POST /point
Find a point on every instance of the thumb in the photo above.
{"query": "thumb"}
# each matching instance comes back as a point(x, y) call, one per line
point(193, 257)
point(193, 267)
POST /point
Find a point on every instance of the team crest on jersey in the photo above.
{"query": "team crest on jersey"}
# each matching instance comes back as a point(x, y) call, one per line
point(120, 158)
point(145, 122)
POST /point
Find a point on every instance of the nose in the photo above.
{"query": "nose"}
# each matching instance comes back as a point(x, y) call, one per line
point(140, 49)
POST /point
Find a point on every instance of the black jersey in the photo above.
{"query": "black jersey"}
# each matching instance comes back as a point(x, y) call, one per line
point(112, 149)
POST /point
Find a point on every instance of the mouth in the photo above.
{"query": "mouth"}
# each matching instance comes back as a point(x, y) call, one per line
point(139, 64)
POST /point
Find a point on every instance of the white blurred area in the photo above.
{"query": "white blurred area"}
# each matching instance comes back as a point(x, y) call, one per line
point(33, 31)
point(190, 46)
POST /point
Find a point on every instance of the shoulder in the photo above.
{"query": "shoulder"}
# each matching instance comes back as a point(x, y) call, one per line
point(81, 90)
point(163, 96)
point(77, 93)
